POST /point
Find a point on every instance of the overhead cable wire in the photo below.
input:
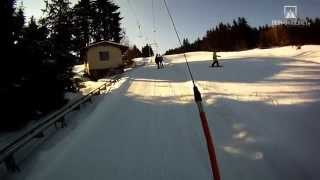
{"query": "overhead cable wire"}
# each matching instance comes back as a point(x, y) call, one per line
point(180, 42)
point(198, 99)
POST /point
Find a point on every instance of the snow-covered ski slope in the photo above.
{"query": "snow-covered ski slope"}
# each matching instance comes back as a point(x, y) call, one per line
point(262, 108)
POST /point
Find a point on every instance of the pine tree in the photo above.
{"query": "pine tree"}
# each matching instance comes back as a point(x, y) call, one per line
point(116, 31)
point(147, 51)
point(13, 84)
point(132, 53)
point(82, 19)
point(7, 9)
point(12, 21)
point(106, 21)
point(39, 86)
point(18, 24)
point(58, 19)
point(186, 44)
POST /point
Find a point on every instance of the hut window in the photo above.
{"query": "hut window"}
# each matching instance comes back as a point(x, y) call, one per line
point(104, 56)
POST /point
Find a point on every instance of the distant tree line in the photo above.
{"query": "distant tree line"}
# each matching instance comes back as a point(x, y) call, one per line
point(147, 51)
point(38, 55)
point(134, 52)
point(241, 36)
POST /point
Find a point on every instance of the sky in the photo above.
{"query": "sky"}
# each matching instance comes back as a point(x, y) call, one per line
point(192, 17)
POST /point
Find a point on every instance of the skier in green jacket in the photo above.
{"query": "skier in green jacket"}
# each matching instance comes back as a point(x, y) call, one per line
point(215, 59)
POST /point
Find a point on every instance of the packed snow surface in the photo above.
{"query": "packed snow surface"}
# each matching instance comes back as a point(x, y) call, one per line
point(262, 107)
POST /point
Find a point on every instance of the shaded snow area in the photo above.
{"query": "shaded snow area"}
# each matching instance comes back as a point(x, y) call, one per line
point(262, 107)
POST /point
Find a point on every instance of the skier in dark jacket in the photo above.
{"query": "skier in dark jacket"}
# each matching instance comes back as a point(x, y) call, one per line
point(161, 61)
point(157, 60)
point(215, 59)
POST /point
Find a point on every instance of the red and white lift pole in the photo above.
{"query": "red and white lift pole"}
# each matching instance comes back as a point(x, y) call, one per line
point(207, 134)
point(198, 99)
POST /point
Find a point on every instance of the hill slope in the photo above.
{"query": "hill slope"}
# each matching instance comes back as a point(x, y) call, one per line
point(262, 107)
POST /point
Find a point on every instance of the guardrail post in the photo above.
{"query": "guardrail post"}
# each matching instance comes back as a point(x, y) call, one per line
point(77, 108)
point(62, 122)
point(40, 135)
point(89, 100)
point(11, 164)
point(104, 87)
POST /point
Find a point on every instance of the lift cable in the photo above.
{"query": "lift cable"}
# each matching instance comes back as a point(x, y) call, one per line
point(198, 100)
point(154, 27)
point(136, 17)
point(180, 42)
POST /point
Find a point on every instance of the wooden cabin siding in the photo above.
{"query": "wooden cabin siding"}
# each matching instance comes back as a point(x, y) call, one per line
point(94, 62)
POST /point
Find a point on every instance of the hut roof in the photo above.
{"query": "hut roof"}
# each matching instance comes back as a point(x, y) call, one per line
point(108, 43)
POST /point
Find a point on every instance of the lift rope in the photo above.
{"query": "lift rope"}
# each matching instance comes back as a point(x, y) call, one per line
point(180, 42)
point(153, 18)
point(136, 16)
point(139, 25)
point(154, 28)
point(198, 99)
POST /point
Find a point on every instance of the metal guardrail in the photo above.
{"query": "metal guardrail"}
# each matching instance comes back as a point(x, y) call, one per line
point(7, 151)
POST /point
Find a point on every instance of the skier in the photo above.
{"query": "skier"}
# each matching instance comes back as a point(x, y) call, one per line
point(215, 59)
point(161, 61)
point(157, 61)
